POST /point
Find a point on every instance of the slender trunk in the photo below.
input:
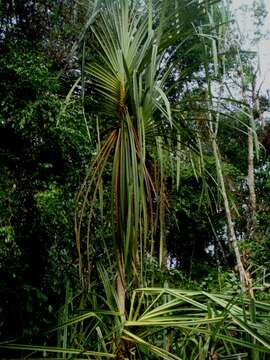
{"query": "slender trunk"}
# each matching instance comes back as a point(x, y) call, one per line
point(122, 348)
point(213, 133)
point(251, 178)
point(240, 266)
point(251, 182)
point(121, 296)
point(163, 252)
point(162, 208)
point(121, 290)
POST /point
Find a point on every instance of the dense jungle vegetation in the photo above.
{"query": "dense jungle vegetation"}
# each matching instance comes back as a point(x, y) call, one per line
point(134, 183)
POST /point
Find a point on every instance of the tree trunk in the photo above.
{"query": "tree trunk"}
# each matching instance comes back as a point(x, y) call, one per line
point(233, 239)
point(121, 290)
point(251, 182)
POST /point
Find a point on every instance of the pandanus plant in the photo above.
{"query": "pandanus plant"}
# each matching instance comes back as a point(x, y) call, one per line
point(128, 79)
point(128, 76)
